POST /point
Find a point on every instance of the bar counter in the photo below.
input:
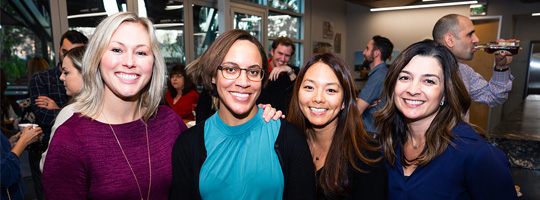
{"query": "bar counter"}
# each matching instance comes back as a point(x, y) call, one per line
point(518, 134)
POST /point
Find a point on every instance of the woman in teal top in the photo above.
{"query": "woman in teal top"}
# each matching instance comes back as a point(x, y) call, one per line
point(234, 154)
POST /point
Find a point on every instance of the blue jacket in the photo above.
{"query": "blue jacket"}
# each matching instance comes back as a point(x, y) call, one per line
point(11, 177)
point(472, 169)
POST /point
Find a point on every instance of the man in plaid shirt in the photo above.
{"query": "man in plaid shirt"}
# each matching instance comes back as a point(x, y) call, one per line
point(457, 33)
point(48, 96)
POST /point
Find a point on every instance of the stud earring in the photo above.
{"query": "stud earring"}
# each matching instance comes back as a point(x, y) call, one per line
point(442, 103)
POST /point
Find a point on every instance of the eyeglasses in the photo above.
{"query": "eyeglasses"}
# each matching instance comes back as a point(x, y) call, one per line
point(233, 72)
point(176, 76)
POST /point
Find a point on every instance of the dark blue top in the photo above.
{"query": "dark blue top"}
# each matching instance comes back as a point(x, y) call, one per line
point(371, 93)
point(11, 177)
point(472, 169)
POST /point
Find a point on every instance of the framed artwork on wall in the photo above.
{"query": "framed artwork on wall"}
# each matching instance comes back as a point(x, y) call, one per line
point(337, 43)
point(328, 30)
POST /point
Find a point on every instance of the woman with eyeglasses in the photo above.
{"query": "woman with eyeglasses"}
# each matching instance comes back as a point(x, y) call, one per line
point(235, 154)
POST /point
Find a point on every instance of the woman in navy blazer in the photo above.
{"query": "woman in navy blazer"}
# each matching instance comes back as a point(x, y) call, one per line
point(429, 150)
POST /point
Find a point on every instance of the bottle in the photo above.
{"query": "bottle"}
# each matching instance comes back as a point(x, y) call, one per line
point(508, 48)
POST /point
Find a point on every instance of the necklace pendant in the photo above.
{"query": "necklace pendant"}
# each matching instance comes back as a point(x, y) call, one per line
point(317, 158)
point(415, 147)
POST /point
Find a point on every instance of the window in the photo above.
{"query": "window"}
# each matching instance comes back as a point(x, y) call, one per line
point(84, 16)
point(290, 5)
point(249, 23)
point(25, 33)
point(283, 25)
point(205, 28)
point(168, 18)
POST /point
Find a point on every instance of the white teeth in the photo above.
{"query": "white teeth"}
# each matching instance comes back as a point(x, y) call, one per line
point(414, 102)
point(240, 95)
point(318, 109)
point(127, 77)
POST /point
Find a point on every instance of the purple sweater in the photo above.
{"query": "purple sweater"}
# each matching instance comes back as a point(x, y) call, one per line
point(85, 161)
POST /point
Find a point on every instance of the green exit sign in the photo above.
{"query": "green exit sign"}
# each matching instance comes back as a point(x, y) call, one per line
point(478, 9)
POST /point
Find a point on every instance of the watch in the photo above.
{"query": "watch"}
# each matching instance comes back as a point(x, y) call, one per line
point(500, 70)
point(290, 73)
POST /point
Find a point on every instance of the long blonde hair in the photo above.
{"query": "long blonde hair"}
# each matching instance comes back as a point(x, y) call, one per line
point(90, 100)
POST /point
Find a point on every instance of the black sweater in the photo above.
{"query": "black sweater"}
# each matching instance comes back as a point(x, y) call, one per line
point(189, 154)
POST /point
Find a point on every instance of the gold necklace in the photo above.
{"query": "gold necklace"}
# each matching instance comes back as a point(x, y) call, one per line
point(149, 162)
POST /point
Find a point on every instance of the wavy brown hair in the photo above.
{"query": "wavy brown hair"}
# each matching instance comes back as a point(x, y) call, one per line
point(350, 140)
point(390, 120)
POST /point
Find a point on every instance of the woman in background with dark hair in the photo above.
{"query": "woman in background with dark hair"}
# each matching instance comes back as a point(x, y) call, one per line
point(72, 79)
point(348, 164)
point(181, 94)
point(430, 151)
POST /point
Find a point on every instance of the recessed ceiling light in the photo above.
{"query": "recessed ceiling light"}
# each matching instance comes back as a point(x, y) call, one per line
point(423, 6)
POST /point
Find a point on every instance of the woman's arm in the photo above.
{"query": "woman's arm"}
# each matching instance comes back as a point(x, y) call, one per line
point(300, 172)
point(28, 136)
point(271, 113)
point(184, 177)
point(64, 173)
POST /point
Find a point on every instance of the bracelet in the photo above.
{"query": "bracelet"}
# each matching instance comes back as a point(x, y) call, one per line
point(500, 70)
point(290, 73)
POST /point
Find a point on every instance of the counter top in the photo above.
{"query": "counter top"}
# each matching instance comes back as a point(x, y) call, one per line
point(523, 123)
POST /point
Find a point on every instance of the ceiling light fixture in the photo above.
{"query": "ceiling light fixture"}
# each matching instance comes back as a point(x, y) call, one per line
point(87, 15)
point(536, 14)
point(174, 7)
point(423, 6)
point(168, 25)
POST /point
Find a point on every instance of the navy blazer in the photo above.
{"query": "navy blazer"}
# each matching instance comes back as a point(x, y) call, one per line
point(472, 169)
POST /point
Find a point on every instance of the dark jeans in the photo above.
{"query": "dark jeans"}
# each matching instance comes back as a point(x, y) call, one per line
point(34, 158)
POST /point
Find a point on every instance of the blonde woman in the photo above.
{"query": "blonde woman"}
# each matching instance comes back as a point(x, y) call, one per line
point(118, 143)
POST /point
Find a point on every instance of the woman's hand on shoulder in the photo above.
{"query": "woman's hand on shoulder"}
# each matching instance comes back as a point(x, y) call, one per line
point(271, 113)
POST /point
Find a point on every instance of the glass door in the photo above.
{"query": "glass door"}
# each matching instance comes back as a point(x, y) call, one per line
point(251, 21)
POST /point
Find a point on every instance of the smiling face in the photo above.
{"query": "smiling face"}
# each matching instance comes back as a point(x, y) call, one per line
point(465, 40)
point(177, 81)
point(321, 96)
point(237, 97)
point(126, 66)
point(71, 77)
point(281, 55)
point(419, 89)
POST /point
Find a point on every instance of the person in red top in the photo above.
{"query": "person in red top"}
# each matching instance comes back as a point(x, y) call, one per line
point(181, 94)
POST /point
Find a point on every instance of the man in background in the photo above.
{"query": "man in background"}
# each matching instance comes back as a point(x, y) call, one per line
point(278, 91)
point(457, 32)
point(48, 96)
point(377, 51)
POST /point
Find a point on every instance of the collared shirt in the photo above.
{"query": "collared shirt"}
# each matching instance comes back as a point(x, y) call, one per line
point(47, 83)
point(492, 93)
point(371, 92)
